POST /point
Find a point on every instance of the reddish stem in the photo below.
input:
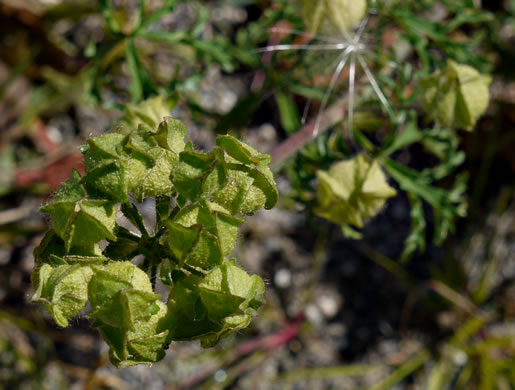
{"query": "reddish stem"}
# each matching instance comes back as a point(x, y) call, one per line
point(292, 145)
point(269, 343)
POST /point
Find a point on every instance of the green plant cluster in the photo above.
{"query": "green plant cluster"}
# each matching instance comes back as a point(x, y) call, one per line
point(200, 197)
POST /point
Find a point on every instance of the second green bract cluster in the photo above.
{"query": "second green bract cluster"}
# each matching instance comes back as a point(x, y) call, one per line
point(200, 198)
point(352, 191)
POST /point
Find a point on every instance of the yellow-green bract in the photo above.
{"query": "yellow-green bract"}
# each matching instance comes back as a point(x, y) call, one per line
point(333, 17)
point(352, 191)
point(127, 313)
point(210, 297)
point(457, 96)
point(214, 307)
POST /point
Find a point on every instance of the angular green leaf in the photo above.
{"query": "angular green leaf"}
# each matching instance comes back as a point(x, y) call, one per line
point(226, 227)
point(140, 161)
point(143, 345)
point(192, 172)
point(231, 325)
point(250, 182)
point(456, 96)
point(215, 307)
point(149, 112)
point(201, 234)
point(78, 220)
point(63, 290)
point(242, 152)
point(352, 191)
point(171, 134)
point(107, 168)
point(186, 318)
point(53, 246)
point(240, 181)
point(111, 278)
point(156, 180)
point(331, 17)
point(126, 307)
point(194, 246)
point(229, 290)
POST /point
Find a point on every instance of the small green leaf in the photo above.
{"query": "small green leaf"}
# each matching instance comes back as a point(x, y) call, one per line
point(215, 307)
point(111, 278)
point(249, 182)
point(242, 152)
point(201, 234)
point(228, 290)
point(141, 86)
point(194, 246)
point(63, 290)
point(226, 227)
point(193, 170)
point(290, 118)
point(52, 245)
point(456, 96)
point(186, 318)
point(126, 307)
point(149, 112)
point(156, 180)
point(71, 190)
point(107, 173)
point(171, 134)
point(140, 161)
point(78, 220)
point(331, 17)
point(127, 313)
point(352, 191)
point(143, 345)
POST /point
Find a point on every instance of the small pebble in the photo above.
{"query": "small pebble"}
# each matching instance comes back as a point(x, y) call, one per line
point(314, 315)
point(220, 376)
point(329, 305)
point(282, 278)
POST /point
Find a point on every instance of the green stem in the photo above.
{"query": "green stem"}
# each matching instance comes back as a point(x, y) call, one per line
point(192, 270)
point(329, 372)
point(162, 210)
point(153, 275)
point(133, 215)
point(146, 264)
point(489, 154)
point(403, 371)
point(390, 265)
